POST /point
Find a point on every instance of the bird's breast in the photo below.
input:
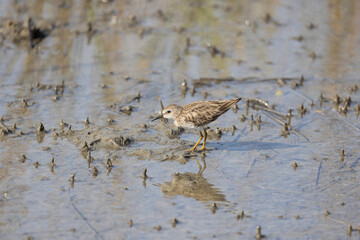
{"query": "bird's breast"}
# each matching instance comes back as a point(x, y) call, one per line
point(180, 122)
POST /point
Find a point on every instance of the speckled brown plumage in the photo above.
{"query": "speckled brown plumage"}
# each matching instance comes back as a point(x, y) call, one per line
point(201, 113)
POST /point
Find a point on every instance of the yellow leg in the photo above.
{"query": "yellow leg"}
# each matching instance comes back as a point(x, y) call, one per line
point(201, 137)
point(203, 146)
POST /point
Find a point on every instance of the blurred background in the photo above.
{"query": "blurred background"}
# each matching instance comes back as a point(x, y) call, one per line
point(93, 71)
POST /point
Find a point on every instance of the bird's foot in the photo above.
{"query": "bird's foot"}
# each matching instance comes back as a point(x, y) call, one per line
point(189, 150)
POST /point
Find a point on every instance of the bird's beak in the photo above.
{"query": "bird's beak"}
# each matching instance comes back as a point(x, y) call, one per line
point(160, 116)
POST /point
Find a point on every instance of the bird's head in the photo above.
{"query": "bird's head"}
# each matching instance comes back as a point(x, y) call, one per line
point(170, 112)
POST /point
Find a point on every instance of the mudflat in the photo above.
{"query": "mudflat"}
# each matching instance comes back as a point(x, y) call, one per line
point(81, 80)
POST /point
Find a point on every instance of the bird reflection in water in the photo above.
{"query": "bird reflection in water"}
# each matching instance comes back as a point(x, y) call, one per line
point(193, 185)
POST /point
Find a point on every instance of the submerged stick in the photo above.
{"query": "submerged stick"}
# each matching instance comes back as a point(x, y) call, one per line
point(31, 34)
point(87, 222)
point(318, 173)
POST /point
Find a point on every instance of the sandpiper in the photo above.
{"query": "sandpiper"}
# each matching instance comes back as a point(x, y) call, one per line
point(197, 114)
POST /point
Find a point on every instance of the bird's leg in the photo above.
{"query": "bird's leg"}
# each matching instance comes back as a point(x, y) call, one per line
point(200, 167)
point(203, 146)
point(201, 137)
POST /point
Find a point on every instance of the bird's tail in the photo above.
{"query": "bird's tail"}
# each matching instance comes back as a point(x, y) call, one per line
point(228, 104)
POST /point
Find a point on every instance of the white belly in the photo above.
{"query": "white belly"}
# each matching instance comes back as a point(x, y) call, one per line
point(184, 124)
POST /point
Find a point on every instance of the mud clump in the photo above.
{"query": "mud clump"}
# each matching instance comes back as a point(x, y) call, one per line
point(27, 32)
point(40, 128)
point(4, 130)
point(172, 133)
point(122, 141)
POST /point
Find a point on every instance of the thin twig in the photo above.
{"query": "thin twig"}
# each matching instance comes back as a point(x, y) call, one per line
point(318, 173)
point(259, 102)
point(250, 167)
point(31, 33)
point(353, 165)
point(335, 220)
point(290, 127)
point(272, 111)
point(86, 221)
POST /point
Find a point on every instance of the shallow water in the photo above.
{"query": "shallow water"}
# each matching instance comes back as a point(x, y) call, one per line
point(105, 69)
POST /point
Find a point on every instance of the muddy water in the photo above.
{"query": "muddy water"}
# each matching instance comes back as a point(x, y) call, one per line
point(113, 71)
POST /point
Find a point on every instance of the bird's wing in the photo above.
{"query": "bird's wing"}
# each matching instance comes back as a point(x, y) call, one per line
point(202, 113)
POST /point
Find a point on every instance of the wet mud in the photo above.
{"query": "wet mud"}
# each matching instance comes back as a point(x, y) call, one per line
point(80, 82)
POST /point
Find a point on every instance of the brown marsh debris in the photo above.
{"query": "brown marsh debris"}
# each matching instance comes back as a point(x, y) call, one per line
point(26, 32)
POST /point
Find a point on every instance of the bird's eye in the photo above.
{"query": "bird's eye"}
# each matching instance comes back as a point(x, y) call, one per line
point(168, 111)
